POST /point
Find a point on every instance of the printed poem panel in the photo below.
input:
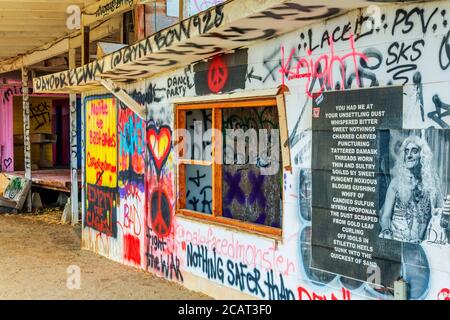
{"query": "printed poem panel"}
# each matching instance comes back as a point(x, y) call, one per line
point(347, 182)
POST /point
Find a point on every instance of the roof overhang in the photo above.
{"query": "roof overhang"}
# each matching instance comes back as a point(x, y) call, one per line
point(222, 28)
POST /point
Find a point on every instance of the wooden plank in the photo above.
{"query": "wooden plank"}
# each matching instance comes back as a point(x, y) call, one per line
point(180, 122)
point(5, 14)
point(284, 135)
point(42, 6)
point(26, 130)
point(37, 23)
point(265, 102)
point(85, 42)
point(73, 145)
point(50, 33)
point(101, 10)
point(56, 49)
point(217, 147)
point(195, 162)
point(32, 28)
point(233, 223)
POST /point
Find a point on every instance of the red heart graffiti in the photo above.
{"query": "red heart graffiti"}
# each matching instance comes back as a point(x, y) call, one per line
point(160, 142)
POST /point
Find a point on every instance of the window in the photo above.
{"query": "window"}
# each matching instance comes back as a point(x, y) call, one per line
point(229, 168)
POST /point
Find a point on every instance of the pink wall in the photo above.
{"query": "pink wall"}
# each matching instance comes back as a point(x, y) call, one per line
point(6, 129)
point(7, 94)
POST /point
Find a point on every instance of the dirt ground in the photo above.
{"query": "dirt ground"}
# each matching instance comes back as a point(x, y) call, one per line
point(36, 250)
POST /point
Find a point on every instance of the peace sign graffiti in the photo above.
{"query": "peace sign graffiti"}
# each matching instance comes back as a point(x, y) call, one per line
point(217, 74)
point(160, 213)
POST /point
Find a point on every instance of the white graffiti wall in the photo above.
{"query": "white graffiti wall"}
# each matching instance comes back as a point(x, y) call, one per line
point(404, 45)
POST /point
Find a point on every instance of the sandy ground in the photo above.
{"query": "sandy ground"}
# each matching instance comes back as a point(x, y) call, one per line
point(36, 250)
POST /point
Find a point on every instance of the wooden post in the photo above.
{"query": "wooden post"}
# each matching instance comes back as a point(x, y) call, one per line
point(125, 36)
point(181, 10)
point(85, 45)
point(26, 131)
point(83, 157)
point(73, 145)
point(139, 22)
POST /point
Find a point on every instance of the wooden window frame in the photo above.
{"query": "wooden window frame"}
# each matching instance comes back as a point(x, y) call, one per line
point(216, 217)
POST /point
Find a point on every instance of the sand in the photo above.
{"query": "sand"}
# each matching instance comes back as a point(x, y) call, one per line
point(36, 251)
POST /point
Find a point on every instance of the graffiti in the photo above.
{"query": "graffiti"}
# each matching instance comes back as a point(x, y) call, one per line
point(236, 274)
point(26, 125)
point(277, 291)
point(14, 187)
point(223, 73)
point(253, 76)
point(444, 294)
point(276, 13)
point(74, 153)
point(131, 249)
point(212, 267)
point(160, 143)
point(340, 54)
point(406, 20)
point(132, 219)
point(201, 5)
point(234, 190)
point(7, 163)
point(161, 213)
point(204, 24)
point(305, 294)
point(101, 165)
point(313, 68)
point(217, 75)
point(131, 143)
point(199, 185)
point(101, 210)
point(40, 114)
point(442, 110)
point(72, 77)
point(101, 148)
point(161, 260)
point(177, 86)
point(13, 91)
point(444, 52)
point(150, 95)
point(236, 248)
point(256, 194)
point(110, 7)
point(399, 54)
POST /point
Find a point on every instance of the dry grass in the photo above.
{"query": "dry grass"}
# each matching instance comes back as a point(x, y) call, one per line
point(48, 215)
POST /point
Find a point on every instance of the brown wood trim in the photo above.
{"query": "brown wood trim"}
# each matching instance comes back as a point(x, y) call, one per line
point(284, 135)
point(237, 224)
point(181, 186)
point(180, 175)
point(216, 217)
point(217, 163)
point(180, 122)
point(262, 102)
point(195, 162)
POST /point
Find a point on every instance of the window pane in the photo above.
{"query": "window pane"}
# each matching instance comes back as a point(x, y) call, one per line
point(198, 188)
point(198, 122)
point(249, 195)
